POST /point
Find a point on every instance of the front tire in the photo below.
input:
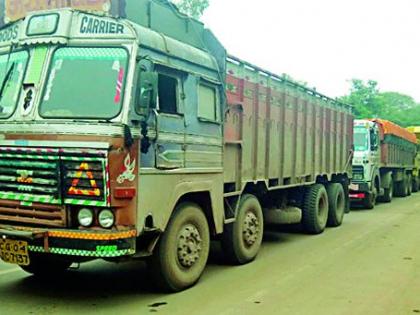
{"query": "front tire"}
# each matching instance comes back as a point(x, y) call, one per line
point(336, 204)
point(182, 252)
point(388, 194)
point(315, 209)
point(241, 241)
point(46, 265)
point(370, 200)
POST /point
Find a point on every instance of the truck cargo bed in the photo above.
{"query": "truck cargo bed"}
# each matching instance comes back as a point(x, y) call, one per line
point(280, 132)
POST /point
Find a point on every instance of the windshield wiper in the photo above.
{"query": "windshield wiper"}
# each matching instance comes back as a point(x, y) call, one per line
point(5, 81)
point(92, 121)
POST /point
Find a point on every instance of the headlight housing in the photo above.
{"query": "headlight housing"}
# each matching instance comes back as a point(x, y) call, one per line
point(85, 217)
point(106, 218)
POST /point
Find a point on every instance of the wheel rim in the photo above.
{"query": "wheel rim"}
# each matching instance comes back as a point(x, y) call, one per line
point(189, 246)
point(251, 229)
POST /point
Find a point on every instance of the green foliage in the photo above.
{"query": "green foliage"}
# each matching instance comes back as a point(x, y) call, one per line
point(369, 102)
point(193, 8)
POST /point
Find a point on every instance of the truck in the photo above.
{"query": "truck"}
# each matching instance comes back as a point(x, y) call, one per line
point(416, 172)
point(383, 163)
point(128, 133)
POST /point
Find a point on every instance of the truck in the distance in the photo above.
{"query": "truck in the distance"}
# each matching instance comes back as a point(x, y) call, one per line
point(172, 144)
point(383, 162)
point(416, 173)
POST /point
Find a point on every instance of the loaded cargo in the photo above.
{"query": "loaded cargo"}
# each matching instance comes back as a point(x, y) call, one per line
point(383, 163)
point(173, 144)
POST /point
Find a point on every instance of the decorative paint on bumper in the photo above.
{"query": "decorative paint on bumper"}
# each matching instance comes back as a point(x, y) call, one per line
point(93, 236)
point(78, 243)
point(83, 253)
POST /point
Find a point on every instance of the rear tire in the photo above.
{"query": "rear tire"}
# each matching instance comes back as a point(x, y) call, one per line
point(415, 184)
point(315, 209)
point(46, 265)
point(181, 254)
point(336, 204)
point(241, 241)
point(409, 184)
point(401, 189)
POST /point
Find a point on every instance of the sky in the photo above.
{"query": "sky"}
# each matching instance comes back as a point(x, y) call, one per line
point(325, 43)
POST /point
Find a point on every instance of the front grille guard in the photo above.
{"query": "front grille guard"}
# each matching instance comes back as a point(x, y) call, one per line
point(36, 183)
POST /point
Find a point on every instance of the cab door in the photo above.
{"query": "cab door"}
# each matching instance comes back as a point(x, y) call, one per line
point(203, 129)
point(170, 124)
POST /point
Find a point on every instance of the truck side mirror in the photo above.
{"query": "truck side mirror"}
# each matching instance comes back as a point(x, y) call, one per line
point(147, 88)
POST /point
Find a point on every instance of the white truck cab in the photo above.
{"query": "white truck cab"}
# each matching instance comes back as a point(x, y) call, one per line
point(366, 161)
point(383, 162)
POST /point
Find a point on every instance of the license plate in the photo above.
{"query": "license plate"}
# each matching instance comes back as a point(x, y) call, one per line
point(14, 252)
point(354, 187)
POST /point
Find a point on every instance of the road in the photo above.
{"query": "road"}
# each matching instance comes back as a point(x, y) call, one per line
point(371, 265)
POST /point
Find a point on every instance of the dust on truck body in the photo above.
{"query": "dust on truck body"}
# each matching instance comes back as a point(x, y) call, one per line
point(383, 163)
point(138, 138)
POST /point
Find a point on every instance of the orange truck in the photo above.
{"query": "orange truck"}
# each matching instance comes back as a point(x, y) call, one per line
point(383, 162)
point(416, 172)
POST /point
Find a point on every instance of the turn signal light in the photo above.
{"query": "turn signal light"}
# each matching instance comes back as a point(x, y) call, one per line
point(125, 192)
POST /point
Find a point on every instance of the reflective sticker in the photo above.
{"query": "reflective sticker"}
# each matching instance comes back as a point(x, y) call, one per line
point(95, 191)
point(128, 172)
point(93, 236)
point(80, 252)
point(117, 98)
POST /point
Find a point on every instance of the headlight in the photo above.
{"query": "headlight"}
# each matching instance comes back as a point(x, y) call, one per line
point(106, 218)
point(85, 217)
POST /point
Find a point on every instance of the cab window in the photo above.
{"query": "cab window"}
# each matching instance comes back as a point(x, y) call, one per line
point(207, 102)
point(168, 94)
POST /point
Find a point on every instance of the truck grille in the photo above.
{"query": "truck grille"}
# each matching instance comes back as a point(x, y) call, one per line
point(358, 172)
point(29, 176)
point(37, 214)
point(36, 184)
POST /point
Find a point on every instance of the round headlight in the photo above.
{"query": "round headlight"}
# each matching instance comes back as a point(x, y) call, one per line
point(106, 218)
point(85, 217)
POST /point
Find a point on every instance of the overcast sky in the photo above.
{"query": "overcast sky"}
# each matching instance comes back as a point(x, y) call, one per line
point(325, 42)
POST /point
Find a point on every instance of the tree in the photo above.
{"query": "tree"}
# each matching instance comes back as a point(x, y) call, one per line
point(365, 99)
point(193, 8)
point(369, 102)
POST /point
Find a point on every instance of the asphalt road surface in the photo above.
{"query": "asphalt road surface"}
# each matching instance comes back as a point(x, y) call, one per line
point(371, 265)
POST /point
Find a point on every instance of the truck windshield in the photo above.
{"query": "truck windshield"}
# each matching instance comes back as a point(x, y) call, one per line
point(12, 70)
point(85, 83)
point(361, 139)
